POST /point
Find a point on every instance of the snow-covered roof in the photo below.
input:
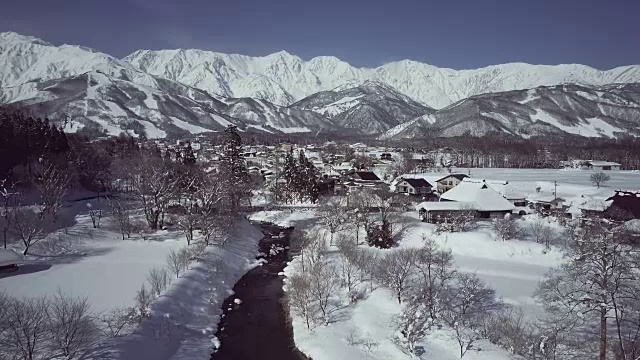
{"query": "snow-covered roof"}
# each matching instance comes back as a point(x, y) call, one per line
point(602, 163)
point(457, 176)
point(544, 198)
point(481, 193)
point(595, 204)
point(506, 190)
point(447, 205)
point(10, 257)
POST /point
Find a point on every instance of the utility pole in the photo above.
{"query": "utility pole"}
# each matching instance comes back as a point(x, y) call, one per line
point(555, 190)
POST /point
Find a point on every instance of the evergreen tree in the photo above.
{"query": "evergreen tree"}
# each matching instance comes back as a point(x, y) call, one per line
point(301, 178)
point(289, 174)
point(188, 157)
point(232, 167)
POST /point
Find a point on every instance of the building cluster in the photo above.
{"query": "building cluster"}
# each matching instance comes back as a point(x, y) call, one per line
point(441, 195)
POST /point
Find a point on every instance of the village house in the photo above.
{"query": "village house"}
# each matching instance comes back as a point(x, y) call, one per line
point(412, 186)
point(365, 176)
point(599, 165)
point(448, 182)
point(437, 212)
point(486, 202)
point(622, 206)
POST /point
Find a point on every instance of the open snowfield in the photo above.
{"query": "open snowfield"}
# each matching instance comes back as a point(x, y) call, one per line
point(624, 179)
point(99, 265)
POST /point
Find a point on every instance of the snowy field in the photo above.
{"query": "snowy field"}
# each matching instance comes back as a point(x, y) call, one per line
point(97, 264)
point(628, 180)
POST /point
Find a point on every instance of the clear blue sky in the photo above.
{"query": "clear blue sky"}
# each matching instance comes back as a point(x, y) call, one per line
point(447, 33)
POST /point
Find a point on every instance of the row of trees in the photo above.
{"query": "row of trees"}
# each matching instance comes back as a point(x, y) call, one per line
point(377, 212)
point(423, 280)
point(24, 140)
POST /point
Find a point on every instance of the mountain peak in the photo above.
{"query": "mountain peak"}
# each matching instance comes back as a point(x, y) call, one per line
point(14, 37)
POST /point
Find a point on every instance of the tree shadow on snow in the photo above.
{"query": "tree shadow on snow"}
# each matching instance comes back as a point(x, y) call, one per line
point(72, 257)
point(29, 268)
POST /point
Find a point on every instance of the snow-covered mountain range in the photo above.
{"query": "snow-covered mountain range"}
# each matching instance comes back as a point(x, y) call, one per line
point(283, 78)
point(371, 107)
point(173, 92)
point(93, 90)
point(610, 110)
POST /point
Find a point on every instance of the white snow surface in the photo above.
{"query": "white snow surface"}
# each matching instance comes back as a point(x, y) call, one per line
point(592, 127)
point(194, 129)
point(108, 271)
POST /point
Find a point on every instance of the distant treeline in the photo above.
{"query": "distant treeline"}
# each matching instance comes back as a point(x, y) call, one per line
point(504, 151)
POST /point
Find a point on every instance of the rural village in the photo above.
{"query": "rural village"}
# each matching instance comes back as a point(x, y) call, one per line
point(383, 252)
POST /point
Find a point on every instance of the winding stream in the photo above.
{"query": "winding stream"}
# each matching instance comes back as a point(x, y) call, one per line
point(256, 327)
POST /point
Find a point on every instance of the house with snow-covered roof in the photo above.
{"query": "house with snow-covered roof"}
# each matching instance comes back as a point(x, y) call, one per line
point(488, 202)
point(449, 181)
point(413, 186)
point(599, 165)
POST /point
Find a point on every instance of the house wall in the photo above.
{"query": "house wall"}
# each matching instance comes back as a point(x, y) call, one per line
point(405, 188)
point(447, 184)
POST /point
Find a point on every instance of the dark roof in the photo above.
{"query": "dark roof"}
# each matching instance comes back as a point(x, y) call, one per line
point(627, 201)
point(457, 176)
point(367, 175)
point(418, 183)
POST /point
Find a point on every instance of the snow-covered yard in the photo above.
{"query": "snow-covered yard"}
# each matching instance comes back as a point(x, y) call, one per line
point(97, 264)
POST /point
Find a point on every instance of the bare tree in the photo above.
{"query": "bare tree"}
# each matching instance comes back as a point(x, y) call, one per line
point(52, 184)
point(198, 251)
point(301, 298)
point(413, 324)
point(215, 227)
point(301, 240)
point(28, 226)
point(95, 215)
point(348, 267)
point(143, 298)
point(116, 322)
point(395, 269)
point(542, 233)
point(466, 303)
point(72, 325)
point(6, 209)
point(360, 204)
point(185, 258)
point(4, 313)
point(188, 222)
point(323, 280)
point(506, 228)
point(174, 262)
point(435, 272)
point(368, 264)
point(120, 213)
point(333, 216)
point(597, 280)
point(154, 182)
point(599, 178)
point(158, 279)
point(27, 331)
